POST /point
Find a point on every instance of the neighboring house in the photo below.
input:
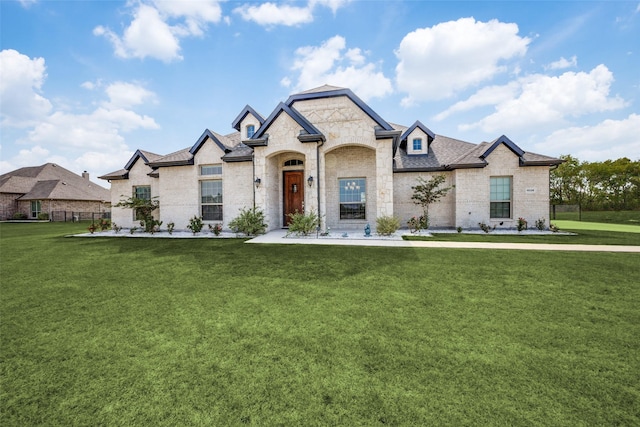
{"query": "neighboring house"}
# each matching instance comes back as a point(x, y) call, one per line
point(49, 189)
point(325, 150)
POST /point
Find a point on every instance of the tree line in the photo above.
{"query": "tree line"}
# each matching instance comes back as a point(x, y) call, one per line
point(608, 185)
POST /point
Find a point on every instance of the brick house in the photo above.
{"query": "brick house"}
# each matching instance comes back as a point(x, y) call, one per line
point(326, 150)
point(47, 189)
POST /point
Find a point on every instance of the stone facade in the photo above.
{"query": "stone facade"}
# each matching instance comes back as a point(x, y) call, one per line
point(329, 134)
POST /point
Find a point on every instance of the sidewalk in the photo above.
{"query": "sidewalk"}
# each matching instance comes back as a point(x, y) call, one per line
point(355, 239)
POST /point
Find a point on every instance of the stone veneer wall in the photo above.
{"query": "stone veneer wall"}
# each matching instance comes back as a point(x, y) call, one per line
point(123, 189)
point(530, 192)
point(441, 213)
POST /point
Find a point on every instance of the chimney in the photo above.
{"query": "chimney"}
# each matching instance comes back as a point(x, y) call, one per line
point(85, 175)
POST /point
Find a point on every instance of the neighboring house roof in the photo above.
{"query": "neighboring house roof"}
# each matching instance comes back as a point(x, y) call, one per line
point(51, 182)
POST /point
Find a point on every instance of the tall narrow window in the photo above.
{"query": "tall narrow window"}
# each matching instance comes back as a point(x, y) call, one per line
point(211, 200)
point(36, 208)
point(141, 192)
point(500, 206)
point(250, 131)
point(352, 198)
point(417, 144)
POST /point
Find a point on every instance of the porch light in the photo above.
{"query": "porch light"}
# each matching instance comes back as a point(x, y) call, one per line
point(310, 181)
point(257, 182)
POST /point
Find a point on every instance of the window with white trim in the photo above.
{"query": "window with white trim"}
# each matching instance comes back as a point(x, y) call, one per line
point(211, 200)
point(352, 198)
point(500, 205)
point(417, 144)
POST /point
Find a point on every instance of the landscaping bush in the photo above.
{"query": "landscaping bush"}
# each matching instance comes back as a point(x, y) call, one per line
point(43, 216)
point(249, 222)
point(387, 225)
point(195, 224)
point(20, 215)
point(303, 224)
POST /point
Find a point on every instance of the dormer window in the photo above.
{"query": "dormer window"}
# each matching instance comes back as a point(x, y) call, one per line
point(250, 130)
point(417, 144)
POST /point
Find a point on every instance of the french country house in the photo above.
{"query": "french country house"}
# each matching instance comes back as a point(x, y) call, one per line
point(325, 150)
point(52, 190)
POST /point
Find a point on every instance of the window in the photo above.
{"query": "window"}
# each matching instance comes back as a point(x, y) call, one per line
point(142, 192)
point(294, 162)
point(250, 131)
point(211, 170)
point(417, 144)
point(500, 206)
point(211, 200)
point(36, 207)
point(352, 198)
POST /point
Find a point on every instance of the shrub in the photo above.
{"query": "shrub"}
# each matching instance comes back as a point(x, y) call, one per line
point(416, 224)
point(540, 224)
point(170, 227)
point(195, 224)
point(43, 216)
point(105, 224)
point(132, 230)
point(215, 229)
point(115, 227)
point(554, 228)
point(303, 224)
point(522, 224)
point(387, 225)
point(92, 228)
point(484, 227)
point(20, 215)
point(249, 222)
point(459, 230)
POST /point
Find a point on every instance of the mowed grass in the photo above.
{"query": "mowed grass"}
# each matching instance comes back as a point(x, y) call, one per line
point(611, 217)
point(106, 331)
point(596, 226)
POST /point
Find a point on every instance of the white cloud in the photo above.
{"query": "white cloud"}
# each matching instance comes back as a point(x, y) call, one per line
point(271, 14)
point(150, 33)
point(562, 63)
point(329, 63)
point(436, 62)
point(126, 95)
point(610, 139)
point(63, 137)
point(27, 3)
point(537, 100)
point(20, 86)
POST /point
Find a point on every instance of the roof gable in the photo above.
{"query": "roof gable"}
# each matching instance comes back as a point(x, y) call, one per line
point(310, 132)
point(246, 110)
point(146, 157)
point(332, 92)
point(418, 124)
point(506, 141)
point(207, 134)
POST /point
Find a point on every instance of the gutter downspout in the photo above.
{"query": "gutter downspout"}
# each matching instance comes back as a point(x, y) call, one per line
point(253, 166)
point(318, 181)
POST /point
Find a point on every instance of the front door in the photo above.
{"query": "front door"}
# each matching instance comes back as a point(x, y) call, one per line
point(293, 194)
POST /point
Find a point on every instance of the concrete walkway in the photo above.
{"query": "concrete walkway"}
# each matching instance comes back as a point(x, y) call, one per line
point(279, 237)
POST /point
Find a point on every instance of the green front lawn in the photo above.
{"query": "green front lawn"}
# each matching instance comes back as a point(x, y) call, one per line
point(105, 331)
point(611, 217)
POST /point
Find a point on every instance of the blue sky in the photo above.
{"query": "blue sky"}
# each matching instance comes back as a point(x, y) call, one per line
point(86, 83)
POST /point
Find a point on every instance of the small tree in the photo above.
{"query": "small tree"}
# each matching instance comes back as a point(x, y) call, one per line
point(144, 211)
point(428, 192)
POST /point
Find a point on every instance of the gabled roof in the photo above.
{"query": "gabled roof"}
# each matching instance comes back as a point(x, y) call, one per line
point(51, 182)
point(246, 110)
point(207, 134)
point(418, 124)
point(146, 157)
point(506, 141)
point(327, 91)
point(310, 132)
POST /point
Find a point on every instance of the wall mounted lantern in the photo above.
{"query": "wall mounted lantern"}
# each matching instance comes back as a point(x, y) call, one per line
point(310, 181)
point(257, 182)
